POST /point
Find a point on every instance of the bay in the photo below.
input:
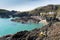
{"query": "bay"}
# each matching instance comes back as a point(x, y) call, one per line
point(9, 27)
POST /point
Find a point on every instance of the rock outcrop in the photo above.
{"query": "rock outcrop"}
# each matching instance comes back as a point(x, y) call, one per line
point(26, 20)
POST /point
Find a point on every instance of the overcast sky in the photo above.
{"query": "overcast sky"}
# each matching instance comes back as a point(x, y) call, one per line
point(25, 5)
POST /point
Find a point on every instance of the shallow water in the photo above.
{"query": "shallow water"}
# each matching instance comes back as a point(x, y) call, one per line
point(9, 27)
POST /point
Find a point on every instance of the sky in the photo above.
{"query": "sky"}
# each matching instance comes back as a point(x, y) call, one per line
point(25, 5)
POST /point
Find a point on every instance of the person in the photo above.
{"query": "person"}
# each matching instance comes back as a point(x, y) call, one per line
point(41, 34)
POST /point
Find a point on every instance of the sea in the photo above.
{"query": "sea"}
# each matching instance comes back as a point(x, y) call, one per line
point(9, 27)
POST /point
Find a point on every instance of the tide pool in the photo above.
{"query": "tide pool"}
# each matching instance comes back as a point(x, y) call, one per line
point(9, 27)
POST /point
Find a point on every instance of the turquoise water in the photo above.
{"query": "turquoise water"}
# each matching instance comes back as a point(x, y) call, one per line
point(9, 27)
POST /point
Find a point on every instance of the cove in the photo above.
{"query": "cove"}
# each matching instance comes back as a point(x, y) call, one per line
point(9, 27)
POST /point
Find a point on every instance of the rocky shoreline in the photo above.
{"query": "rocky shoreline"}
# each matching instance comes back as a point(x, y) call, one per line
point(27, 19)
point(50, 31)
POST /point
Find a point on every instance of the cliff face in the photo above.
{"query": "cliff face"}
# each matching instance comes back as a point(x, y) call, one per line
point(54, 32)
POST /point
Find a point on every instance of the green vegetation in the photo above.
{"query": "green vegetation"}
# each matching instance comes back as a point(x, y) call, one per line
point(40, 11)
point(46, 9)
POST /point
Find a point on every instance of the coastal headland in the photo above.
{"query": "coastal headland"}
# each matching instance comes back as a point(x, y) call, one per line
point(50, 15)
